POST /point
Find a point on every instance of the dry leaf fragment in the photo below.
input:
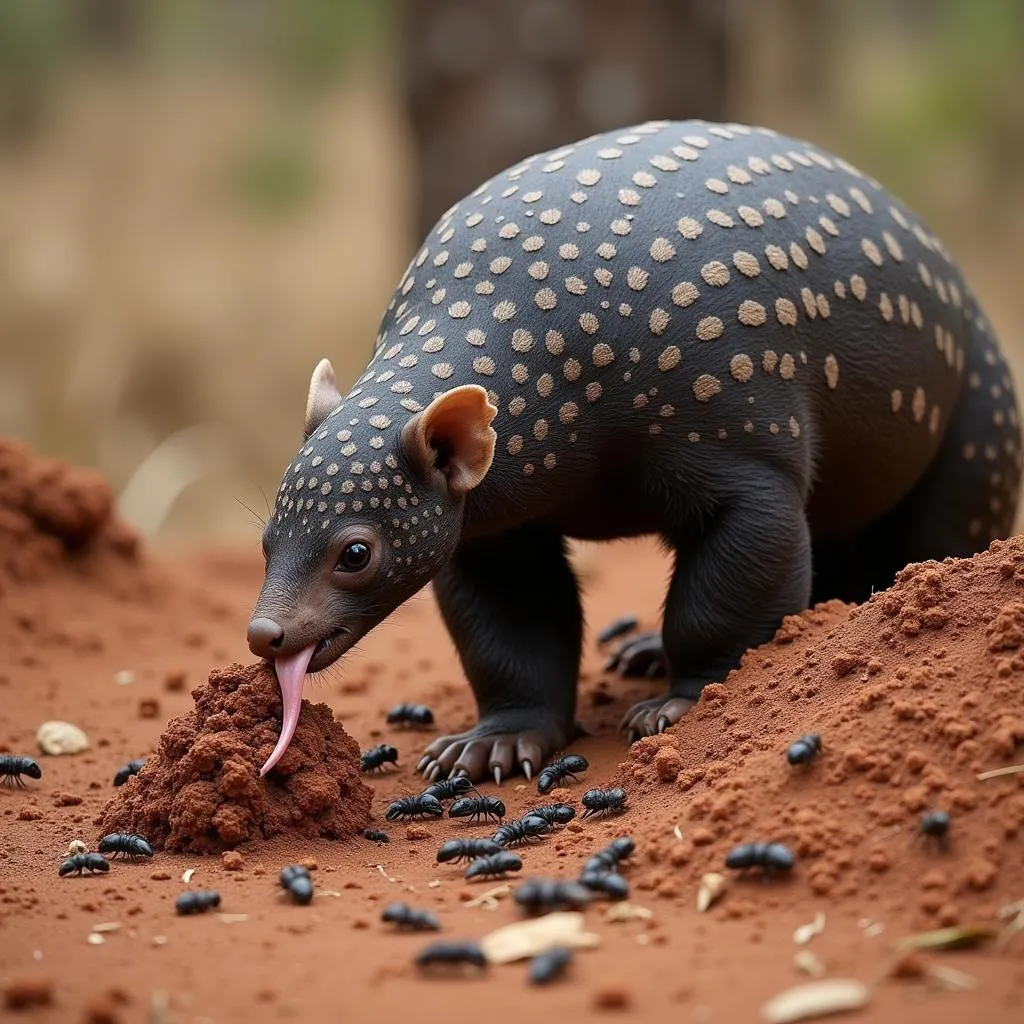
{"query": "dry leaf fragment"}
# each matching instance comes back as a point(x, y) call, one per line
point(489, 899)
point(815, 999)
point(677, 832)
point(528, 938)
point(960, 937)
point(804, 960)
point(712, 888)
point(627, 912)
point(233, 918)
point(951, 978)
point(995, 773)
point(806, 932)
point(1014, 913)
point(107, 926)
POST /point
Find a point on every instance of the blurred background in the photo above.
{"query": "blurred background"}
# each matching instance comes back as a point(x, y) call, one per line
point(200, 200)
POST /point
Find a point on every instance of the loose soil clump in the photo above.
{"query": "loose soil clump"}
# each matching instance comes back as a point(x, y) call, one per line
point(201, 792)
point(54, 515)
point(914, 694)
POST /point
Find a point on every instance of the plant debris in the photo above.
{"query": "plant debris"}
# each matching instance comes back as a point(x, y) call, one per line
point(489, 899)
point(627, 912)
point(806, 932)
point(960, 937)
point(712, 888)
point(528, 938)
point(815, 999)
point(996, 773)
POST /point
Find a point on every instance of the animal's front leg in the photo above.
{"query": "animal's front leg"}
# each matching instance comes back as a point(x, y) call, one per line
point(511, 604)
point(729, 592)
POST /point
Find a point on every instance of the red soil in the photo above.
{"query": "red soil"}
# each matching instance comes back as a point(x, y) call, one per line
point(914, 694)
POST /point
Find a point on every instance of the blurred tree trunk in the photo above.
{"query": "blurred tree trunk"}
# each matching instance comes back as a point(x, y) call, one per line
point(488, 82)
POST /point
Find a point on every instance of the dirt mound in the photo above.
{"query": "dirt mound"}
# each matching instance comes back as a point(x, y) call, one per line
point(914, 694)
point(53, 514)
point(201, 791)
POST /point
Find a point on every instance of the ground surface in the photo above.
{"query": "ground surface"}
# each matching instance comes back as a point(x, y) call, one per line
point(914, 695)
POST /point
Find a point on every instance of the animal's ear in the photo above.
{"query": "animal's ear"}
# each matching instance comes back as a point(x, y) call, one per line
point(453, 436)
point(323, 397)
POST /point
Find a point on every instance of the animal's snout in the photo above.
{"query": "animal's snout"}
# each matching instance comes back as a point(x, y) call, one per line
point(265, 638)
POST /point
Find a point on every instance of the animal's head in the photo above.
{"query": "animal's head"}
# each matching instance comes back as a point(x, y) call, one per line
point(368, 511)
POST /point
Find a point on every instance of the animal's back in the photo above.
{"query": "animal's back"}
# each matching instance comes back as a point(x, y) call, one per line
point(710, 332)
point(680, 298)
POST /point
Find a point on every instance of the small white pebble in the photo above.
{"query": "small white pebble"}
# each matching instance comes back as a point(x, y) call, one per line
point(435, 884)
point(159, 940)
point(124, 677)
point(77, 846)
point(61, 738)
point(95, 939)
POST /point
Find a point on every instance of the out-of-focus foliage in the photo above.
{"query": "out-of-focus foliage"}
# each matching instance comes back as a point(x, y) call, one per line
point(201, 198)
point(947, 83)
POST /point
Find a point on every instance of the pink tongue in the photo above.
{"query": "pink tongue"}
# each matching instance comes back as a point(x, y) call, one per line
point(291, 674)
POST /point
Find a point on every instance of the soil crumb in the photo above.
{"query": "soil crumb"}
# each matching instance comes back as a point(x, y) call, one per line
point(201, 791)
point(913, 694)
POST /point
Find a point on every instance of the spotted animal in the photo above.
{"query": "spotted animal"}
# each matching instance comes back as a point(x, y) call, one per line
point(710, 332)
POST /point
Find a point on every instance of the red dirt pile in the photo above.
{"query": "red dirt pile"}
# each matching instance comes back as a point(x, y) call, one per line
point(914, 694)
point(53, 514)
point(201, 791)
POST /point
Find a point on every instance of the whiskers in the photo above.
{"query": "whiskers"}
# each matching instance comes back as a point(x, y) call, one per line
point(257, 519)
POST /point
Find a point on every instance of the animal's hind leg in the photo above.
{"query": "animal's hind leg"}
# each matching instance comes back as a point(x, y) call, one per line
point(512, 606)
point(729, 592)
point(967, 498)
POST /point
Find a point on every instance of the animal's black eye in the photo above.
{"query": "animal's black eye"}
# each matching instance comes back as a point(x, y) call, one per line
point(355, 557)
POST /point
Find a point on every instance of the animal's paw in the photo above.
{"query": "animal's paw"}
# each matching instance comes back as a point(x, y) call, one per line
point(497, 746)
point(640, 656)
point(649, 717)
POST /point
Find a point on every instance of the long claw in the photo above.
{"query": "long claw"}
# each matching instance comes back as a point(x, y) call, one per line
point(423, 762)
point(663, 723)
point(434, 772)
point(497, 774)
point(527, 769)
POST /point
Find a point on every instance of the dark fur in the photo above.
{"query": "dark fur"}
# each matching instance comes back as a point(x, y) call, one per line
point(760, 523)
